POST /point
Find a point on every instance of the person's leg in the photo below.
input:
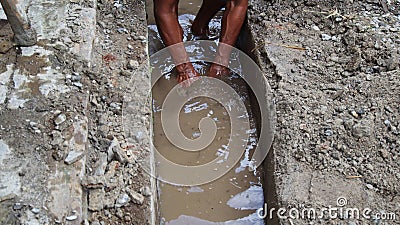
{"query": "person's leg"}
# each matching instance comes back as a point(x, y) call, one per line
point(207, 11)
point(232, 22)
point(166, 15)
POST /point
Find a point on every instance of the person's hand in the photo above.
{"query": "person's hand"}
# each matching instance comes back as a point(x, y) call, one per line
point(185, 72)
point(218, 70)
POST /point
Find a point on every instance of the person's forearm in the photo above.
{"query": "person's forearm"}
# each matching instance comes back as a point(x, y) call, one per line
point(170, 31)
point(232, 22)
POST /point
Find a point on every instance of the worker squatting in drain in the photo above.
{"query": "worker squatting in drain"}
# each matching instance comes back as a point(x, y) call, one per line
point(166, 15)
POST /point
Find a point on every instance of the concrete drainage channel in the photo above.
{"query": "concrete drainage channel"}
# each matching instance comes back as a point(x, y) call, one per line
point(235, 197)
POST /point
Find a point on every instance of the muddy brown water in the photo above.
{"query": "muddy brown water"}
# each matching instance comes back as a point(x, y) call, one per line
point(231, 199)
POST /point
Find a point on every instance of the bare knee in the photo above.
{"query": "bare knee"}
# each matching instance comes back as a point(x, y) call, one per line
point(239, 4)
point(165, 8)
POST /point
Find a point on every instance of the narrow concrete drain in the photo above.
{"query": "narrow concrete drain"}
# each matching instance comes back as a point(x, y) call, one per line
point(235, 195)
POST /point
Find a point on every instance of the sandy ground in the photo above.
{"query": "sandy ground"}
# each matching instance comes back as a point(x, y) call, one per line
point(64, 155)
point(337, 99)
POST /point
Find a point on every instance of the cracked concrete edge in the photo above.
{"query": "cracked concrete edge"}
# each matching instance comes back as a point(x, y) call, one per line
point(141, 89)
point(64, 184)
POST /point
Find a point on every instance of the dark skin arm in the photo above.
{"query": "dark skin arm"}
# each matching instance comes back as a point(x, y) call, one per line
point(232, 22)
point(166, 14)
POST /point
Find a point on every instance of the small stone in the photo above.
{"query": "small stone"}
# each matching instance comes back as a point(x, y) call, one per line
point(57, 137)
point(76, 77)
point(77, 84)
point(335, 155)
point(101, 165)
point(33, 125)
point(96, 199)
point(17, 206)
point(361, 112)
point(93, 182)
point(115, 105)
point(145, 191)
point(35, 210)
point(137, 198)
point(73, 156)
point(133, 64)
point(387, 123)
point(369, 167)
point(360, 130)
point(122, 200)
point(125, 73)
point(60, 119)
point(328, 132)
point(370, 186)
point(348, 124)
point(104, 129)
point(315, 27)
point(71, 218)
point(354, 114)
point(387, 108)
point(384, 153)
point(326, 37)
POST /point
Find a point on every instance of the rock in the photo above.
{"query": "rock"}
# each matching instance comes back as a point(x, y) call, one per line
point(315, 27)
point(17, 206)
point(328, 132)
point(369, 167)
point(115, 152)
point(145, 191)
point(101, 165)
point(354, 63)
point(384, 153)
point(326, 37)
point(133, 64)
point(60, 119)
point(73, 156)
point(370, 186)
point(104, 129)
point(348, 124)
point(120, 155)
point(77, 84)
point(96, 199)
point(103, 119)
point(71, 218)
point(125, 73)
point(354, 114)
point(93, 182)
point(35, 210)
point(360, 130)
point(137, 198)
point(115, 105)
point(57, 137)
point(122, 200)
